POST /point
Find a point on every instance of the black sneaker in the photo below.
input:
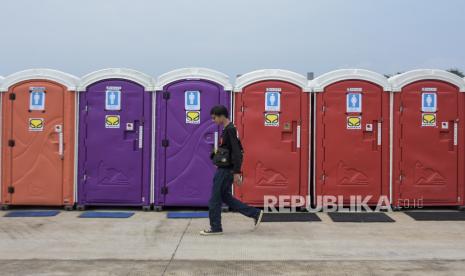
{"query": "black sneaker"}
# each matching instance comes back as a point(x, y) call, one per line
point(210, 233)
point(258, 219)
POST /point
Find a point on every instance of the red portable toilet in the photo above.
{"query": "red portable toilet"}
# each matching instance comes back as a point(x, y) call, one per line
point(428, 139)
point(351, 112)
point(38, 128)
point(271, 113)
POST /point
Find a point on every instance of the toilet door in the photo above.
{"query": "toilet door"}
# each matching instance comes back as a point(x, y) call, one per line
point(34, 143)
point(113, 139)
point(350, 160)
point(429, 142)
point(272, 140)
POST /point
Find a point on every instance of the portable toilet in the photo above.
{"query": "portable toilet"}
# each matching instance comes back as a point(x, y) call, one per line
point(271, 108)
point(38, 127)
point(186, 135)
point(428, 139)
point(115, 126)
point(351, 155)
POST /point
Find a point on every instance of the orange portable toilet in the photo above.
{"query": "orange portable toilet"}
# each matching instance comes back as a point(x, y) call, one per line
point(38, 128)
point(351, 137)
point(428, 141)
point(271, 113)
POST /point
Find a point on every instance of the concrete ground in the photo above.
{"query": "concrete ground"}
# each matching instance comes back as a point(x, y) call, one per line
point(150, 244)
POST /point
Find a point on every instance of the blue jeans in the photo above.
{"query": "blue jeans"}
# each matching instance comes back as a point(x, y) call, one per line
point(221, 192)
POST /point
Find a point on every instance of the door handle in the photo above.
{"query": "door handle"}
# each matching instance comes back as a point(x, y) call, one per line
point(141, 136)
point(455, 133)
point(59, 130)
point(298, 137)
point(60, 146)
point(379, 133)
point(215, 146)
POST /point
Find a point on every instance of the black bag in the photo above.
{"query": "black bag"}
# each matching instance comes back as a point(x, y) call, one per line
point(222, 158)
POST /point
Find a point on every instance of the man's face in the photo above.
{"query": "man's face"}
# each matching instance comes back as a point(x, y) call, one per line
point(217, 119)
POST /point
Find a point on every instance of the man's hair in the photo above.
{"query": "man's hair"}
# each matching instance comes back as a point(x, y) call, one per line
point(219, 110)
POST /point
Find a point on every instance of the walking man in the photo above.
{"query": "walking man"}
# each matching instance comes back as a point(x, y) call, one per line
point(228, 159)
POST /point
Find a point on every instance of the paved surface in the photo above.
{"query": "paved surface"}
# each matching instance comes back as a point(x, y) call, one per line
point(187, 267)
point(150, 244)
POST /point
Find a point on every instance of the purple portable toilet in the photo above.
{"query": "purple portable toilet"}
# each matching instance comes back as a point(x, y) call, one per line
point(115, 121)
point(185, 135)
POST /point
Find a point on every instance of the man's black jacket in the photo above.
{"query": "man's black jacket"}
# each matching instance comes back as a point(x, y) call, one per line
point(230, 141)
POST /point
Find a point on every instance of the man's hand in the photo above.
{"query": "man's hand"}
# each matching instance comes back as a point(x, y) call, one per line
point(238, 179)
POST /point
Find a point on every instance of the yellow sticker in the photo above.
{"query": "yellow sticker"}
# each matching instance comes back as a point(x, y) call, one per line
point(36, 124)
point(193, 117)
point(354, 122)
point(428, 119)
point(112, 121)
point(272, 119)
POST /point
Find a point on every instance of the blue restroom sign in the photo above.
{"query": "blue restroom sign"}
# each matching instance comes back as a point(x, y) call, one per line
point(273, 99)
point(113, 98)
point(428, 102)
point(192, 100)
point(37, 98)
point(354, 102)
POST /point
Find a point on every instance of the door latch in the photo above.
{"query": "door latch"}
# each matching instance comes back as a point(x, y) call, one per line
point(444, 125)
point(369, 127)
point(11, 190)
point(129, 126)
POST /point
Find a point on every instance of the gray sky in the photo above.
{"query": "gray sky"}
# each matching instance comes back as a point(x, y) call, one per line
point(234, 36)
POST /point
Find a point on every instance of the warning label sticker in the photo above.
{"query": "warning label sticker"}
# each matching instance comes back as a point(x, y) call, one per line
point(193, 117)
point(354, 122)
point(272, 119)
point(112, 121)
point(36, 124)
point(428, 119)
